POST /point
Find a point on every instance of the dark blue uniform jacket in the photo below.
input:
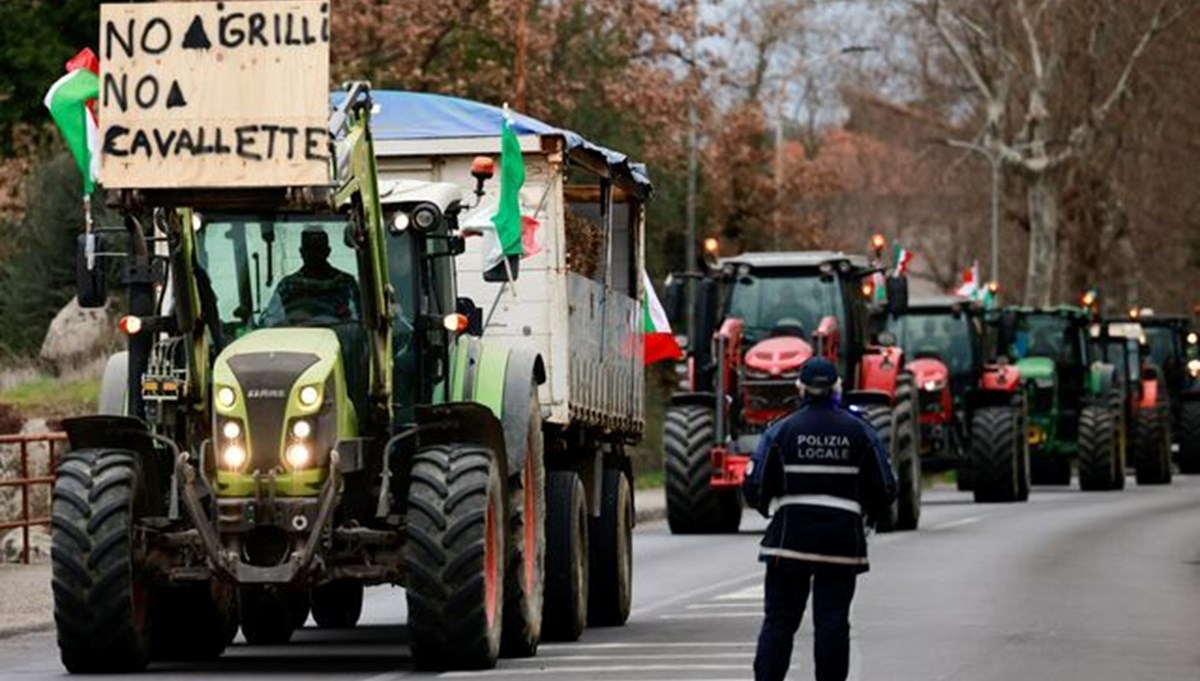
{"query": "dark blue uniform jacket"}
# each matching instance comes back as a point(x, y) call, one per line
point(824, 471)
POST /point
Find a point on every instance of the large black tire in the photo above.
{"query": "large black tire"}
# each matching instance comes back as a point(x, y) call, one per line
point(997, 452)
point(565, 613)
point(191, 621)
point(908, 455)
point(524, 586)
point(693, 505)
point(1152, 435)
point(270, 614)
point(1100, 437)
point(100, 598)
point(455, 555)
point(879, 416)
point(610, 551)
point(1189, 437)
point(337, 604)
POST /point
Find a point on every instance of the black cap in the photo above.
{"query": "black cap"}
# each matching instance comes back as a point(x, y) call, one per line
point(818, 374)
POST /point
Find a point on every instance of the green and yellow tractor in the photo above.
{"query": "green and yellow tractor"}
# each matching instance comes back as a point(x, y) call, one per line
point(1075, 403)
point(301, 412)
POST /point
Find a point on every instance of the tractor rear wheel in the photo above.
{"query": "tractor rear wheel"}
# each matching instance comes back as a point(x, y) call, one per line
point(100, 598)
point(908, 455)
point(693, 506)
point(191, 621)
point(1100, 434)
point(1152, 435)
point(998, 454)
point(565, 614)
point(1189, 436)
point(524, 588)
point(455, 555)
point(610, 575)
point(337, 604)
point(879, 416)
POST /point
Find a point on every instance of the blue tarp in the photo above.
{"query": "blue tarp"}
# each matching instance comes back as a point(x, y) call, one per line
point(420, 115)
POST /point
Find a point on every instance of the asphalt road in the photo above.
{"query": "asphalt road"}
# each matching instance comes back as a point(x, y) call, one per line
point(1088, 586)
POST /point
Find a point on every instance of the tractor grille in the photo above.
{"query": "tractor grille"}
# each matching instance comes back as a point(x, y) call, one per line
point(266, 379)
point(771, 394)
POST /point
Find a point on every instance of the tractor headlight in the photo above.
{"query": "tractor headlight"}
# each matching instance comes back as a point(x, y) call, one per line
point(298, 455)
point(309, 396)
point(226, 397)
point(234, 457)
point(231, 430)
point(1193, 368)
point(1193, 338)
point(301, 429)
point(933, 385)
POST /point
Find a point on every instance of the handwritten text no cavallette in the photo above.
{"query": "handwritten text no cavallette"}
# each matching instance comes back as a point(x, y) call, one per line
point(235, 30)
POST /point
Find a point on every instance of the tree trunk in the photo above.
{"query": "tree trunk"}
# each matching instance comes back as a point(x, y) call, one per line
point(1042, 196)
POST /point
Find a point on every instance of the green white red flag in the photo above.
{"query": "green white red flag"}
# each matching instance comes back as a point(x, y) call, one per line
point(71, 101)
point(658, 341)
point(902, 257)
point(506, 243)
point(970, 282)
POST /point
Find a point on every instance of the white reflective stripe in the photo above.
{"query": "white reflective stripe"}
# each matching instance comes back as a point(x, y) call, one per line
point(820, 468)
point(825, 500)
point(815, 557)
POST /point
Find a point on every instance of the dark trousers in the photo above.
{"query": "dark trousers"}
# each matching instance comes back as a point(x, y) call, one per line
point(786, 593)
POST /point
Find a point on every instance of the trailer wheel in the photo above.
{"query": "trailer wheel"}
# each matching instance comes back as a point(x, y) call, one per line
point(693, 506)
point(337, 604)
point(100, 599)
point(879, 417)
point(908, 455)
point(455, 555)
point(1189, 437)
point(996, 451)
point(565, 613)
point(192, 621)
point(610, 583)
point(269, 614)
point(524, 588)
point(1153, 440)
point(1100, 435)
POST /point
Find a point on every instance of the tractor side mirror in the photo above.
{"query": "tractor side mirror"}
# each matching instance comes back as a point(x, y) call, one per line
point(457, 244)
point(474, 315)
point(897, 295)
point(91, 282)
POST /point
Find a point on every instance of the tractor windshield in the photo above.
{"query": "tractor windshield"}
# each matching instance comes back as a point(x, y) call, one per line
point(1048, 335)
point(1164, 345)
point(936, 334)
point(781, 299)
point(280, 271)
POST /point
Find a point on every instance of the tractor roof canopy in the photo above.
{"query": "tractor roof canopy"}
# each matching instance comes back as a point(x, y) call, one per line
point(944, 303)
point(799, 259)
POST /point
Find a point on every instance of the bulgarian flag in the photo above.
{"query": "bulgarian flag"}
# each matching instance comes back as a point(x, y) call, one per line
point(506, 243)
point(970, 282)
point(658, 341)
point(902, 257)
point(72, 104)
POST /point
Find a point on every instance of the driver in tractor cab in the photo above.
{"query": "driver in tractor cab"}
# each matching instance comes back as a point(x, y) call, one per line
point(787, 306)
point(318, 292)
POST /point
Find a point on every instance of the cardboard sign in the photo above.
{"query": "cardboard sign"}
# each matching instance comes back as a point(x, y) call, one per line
point(214, 94)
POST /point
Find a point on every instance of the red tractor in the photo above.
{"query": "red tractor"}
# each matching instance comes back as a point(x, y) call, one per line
point(758, 317)
point(972, 411)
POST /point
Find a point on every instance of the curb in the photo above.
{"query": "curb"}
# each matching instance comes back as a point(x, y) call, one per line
point(649, 505)
point(7, 632)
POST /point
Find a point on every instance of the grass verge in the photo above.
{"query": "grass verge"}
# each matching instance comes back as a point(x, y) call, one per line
point(53, 398)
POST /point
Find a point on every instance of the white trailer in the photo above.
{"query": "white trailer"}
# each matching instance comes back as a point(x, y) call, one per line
point(577, 301)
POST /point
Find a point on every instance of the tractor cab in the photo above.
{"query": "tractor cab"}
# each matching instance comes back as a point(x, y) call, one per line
point(1173, 345)
point(948, 329)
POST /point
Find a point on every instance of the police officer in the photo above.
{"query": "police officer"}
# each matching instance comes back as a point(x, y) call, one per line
point(826, 474)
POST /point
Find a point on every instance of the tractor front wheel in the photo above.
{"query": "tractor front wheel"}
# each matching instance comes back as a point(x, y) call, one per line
point(908, 456)
point(1189, 436)
point(998, 453)
point(880, 418)
point(524, 589)
point(455, 555)
point(1153, 437)
point(100, 599)
point(693, 505)
point(1100, 434)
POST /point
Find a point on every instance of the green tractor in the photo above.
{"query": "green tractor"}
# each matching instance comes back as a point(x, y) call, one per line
point(1123, 344)
point(1075, 404)
point(1174, 346)
point(285, 430)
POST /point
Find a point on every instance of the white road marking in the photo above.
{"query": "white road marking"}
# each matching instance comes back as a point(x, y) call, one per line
point(956, 523)
point(748, 655)
point(706, 606)
point(640, 668)
point(691, 595)
point(750, 593)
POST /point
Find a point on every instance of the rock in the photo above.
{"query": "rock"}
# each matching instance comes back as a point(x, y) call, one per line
point(78, 336)
point(13, 544)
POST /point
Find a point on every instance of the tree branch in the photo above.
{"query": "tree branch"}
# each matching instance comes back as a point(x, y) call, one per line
point(933, 15)
point(1158, 24)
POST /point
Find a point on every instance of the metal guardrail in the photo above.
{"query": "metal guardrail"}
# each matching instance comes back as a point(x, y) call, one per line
point(24, 481)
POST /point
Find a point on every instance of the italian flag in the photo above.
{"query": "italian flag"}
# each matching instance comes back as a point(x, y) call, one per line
point(970, 282)
point(902, 257)
point(71, 101)
point(658, 341)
